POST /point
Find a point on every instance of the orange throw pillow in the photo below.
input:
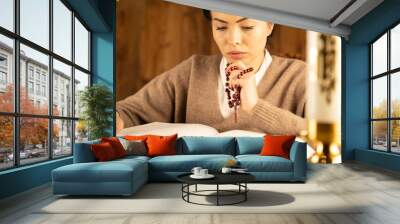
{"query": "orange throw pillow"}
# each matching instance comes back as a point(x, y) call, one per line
point(103, 151)
point(161, 145)
point(116, 145)
point(136, 137)
point(277, 145)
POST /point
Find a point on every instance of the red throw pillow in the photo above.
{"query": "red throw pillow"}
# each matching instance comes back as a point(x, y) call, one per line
point(277, 145)
point(116, 145)
point(103, 151)
point(161, 145)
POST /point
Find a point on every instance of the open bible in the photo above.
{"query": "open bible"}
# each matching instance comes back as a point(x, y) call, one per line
point(184, 129)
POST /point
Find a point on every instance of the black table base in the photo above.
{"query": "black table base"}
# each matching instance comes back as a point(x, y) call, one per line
point(241, 191)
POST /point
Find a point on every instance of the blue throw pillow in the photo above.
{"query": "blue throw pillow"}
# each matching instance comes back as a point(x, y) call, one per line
point(249, 145)
point(194, 145)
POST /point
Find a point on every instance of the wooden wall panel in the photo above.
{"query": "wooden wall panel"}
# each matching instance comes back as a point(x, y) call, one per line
point(154, 36)
point(129, 25)
point(288, 42)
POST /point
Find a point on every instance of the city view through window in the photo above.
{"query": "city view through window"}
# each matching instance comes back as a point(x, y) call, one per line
point(39, 113)
point(385, 92)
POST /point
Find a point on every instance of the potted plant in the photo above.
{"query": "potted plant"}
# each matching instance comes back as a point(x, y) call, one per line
point(96, 103)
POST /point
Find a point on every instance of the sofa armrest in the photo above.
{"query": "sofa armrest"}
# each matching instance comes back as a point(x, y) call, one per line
point(298, 155)
point(83, 152)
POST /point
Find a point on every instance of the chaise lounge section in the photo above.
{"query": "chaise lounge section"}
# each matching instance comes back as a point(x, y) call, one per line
point(88, 177)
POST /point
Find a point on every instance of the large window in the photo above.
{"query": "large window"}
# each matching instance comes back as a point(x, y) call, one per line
point(385, 91)
point(44, 64)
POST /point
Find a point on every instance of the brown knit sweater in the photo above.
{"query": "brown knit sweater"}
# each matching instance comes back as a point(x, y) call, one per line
point(188, 93)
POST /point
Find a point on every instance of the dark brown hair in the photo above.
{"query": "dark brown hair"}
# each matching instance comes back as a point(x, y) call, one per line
point(207, 14)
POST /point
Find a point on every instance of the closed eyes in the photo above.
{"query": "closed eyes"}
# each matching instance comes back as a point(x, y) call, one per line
point(243, 27)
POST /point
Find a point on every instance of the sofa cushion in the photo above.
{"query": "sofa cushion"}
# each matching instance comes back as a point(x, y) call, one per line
point(195, 145)
point(103, 152)
point(83, 152)
point(185, 163)
point(112, 171)
point(161, 145)
point(116, 145)
point(277, 145)
point(133, 158)
point(257, 163)
point(249, 145)
point(134, 147)
point(136, 137)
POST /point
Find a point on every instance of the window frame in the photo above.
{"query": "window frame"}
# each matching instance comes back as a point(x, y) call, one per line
point(3, 74)
point(16, 115)
point(388, 74)
point(3, 70)
point(5, 58)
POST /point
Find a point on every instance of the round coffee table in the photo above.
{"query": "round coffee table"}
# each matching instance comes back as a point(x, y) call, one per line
point(238, 179)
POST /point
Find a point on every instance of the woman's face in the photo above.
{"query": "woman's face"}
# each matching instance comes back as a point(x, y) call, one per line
point(239, 38)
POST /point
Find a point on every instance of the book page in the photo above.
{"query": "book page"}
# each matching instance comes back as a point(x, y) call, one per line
point(240, 133)
point(164, 129)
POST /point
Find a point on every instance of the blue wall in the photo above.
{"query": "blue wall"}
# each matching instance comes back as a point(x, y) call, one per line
point(24, 178)
point(356, 104)
point(355, 100)
point(103, 52)
point(99, 15)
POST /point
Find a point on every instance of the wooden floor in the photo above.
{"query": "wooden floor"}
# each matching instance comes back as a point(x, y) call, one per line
point(377, 188)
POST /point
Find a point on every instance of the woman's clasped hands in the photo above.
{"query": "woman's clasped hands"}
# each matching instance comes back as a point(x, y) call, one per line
point(240, 86)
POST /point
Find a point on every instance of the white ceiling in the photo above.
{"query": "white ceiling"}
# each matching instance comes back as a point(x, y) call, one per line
point(313, 8)
point(326, 16)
